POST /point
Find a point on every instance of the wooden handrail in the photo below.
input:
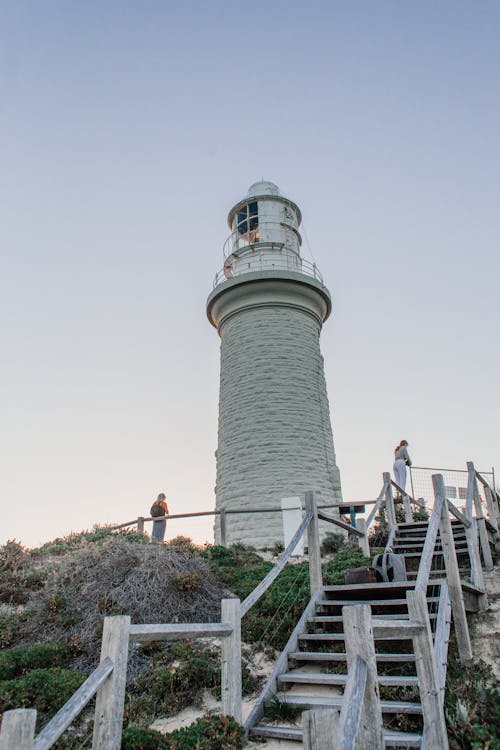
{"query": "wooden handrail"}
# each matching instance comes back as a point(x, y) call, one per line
point(458, 515)
point(66, 715)
point(178, 631)
point(352, 704)
point(255, 595)
point(429, 545)
point(340, 524)
point(378, 503)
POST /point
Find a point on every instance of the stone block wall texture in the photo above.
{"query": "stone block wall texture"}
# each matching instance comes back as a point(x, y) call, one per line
point(275, 436)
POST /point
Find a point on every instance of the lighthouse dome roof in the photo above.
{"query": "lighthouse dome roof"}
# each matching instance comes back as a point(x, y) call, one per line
point(263, 187)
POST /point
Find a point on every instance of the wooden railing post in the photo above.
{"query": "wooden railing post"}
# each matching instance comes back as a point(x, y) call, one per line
point(359, 641)
point(140, 524)
point(453, 573)
point(473, 499)
point(476, 569)
point(389, 501)
point(111, 696)
point(363, 540)
point(18, 729)
point(223, 527)
point(321, 729)
point(231, 660)
point(435, 734)
point(492, 506)
point(407, 508)
point(314, 552)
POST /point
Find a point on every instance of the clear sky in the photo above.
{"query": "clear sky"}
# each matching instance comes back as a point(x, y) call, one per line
point(128, 130)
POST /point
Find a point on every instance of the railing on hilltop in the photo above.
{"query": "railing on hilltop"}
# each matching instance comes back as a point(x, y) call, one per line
point(107, 681)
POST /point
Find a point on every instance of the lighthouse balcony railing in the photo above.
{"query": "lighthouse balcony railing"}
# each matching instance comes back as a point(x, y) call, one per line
point(254, 261)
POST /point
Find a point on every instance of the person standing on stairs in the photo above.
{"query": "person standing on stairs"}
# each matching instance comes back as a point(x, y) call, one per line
point(401, 461)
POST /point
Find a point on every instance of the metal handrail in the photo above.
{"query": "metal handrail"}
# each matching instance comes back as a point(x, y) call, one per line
point(279, 263)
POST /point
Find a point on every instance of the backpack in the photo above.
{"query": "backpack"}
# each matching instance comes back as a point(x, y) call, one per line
point(359, 575)
point(390, 567)
point(156, 510)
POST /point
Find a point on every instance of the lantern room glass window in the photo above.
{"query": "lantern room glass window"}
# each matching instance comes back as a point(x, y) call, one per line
point(247, 221)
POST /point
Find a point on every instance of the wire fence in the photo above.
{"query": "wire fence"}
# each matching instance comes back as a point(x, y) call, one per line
point(455, 481)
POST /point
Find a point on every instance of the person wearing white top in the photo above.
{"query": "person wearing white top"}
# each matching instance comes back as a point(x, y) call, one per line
point(401, 461)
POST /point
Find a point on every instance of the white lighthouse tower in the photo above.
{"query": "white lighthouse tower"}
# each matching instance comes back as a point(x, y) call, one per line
point(268, 305)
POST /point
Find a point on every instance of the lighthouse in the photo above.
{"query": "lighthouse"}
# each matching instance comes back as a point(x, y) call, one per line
point(268, 305)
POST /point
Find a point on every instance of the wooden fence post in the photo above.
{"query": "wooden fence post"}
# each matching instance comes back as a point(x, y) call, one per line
point(407, 508)
point(473, 497)
point(435, 734)
point(321, 729)
point(363, 540)
point(140, 524)
point(223, 528)
point(389, 501)
point(313, 546)
point(492, 506)
point(476, 569)
point(18, 729)
point(359, 641)
point(111, 696)
point(231, 660)
point(453, 573)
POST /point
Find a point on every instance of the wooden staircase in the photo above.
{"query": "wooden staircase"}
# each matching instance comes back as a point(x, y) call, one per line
point(316, 672)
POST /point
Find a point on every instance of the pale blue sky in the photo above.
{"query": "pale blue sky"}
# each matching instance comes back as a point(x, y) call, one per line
point(128, 130)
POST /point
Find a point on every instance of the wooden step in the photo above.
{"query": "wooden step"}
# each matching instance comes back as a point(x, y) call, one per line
point(335, 701)
point(339, 618)
point(294, 734)
point(319, 656)
point(326, 637)
point(437, 553)
point(371, 602)
point(319, 678)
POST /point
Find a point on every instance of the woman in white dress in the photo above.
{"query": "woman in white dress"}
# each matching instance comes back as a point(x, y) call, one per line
point(401, 461)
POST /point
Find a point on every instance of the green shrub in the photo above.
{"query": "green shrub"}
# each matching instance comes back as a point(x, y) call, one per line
point(209, 733)
point(141, 738)
point(19, 660)
point(334, 569)
point(175, 680)
point(9, 624)
point(96, 535)
point(472, 705)
point(44, 689)
point(332, 543)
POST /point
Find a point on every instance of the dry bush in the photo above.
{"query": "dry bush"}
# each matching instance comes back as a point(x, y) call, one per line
point(118, 577)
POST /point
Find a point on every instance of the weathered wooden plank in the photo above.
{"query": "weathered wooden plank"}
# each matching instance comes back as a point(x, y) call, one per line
point(492, 506)
point(442, 637)
point(281, 665)
point(320, 729)
point(231, 660)
point(64, 717)
point(108, 717)
point(376, 507)
point(453, 575)
point(276, 570)
point(392, 739)
point(394, 629)
point(320, 678)
point(458, 515)
point(313, 656)
point(338, 522)
point(140, 524)
point(359, 642)
point(389, 501)
point(335, 701)
point(18, 729)
point(407, 508)
point(177, 631)
point(313, 545)
point(429, 545)
point(481, 522)
point(363, 540)
point(434, 722)
point(476, 568)
point(352, 731)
